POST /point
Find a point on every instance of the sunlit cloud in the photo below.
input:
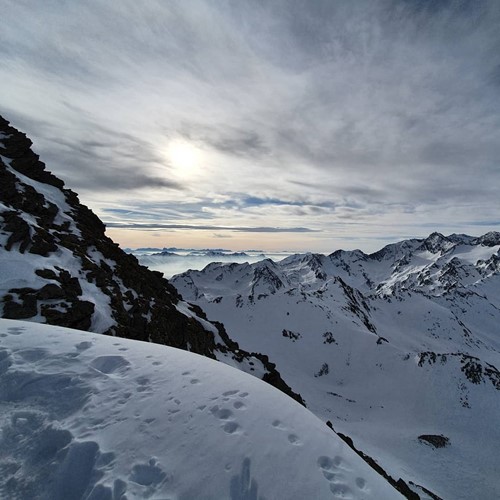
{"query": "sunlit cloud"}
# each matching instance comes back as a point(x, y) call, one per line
point(353, 120)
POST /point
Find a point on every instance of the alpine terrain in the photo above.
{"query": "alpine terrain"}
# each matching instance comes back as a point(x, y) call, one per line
point(394, 353)
point(399, 349)
point(87, 416)
point(58, 267)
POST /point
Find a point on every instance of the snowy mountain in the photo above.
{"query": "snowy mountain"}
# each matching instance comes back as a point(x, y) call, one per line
point(57, 266)
point(389, 347)
point(101, 418)
point(172, 262)
point(397, 351)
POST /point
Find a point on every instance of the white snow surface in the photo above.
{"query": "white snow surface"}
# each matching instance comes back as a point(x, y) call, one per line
point(85, 416)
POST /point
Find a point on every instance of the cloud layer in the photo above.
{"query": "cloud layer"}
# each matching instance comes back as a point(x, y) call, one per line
point(353, 121)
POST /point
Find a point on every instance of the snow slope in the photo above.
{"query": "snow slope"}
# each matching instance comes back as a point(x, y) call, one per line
point(388, 346)
point(95, 417)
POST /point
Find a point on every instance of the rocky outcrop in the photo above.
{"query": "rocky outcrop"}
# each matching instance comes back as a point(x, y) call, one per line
point(73, 275)
point(437, 441)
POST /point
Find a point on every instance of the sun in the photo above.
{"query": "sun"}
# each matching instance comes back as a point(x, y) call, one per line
point(184, 157)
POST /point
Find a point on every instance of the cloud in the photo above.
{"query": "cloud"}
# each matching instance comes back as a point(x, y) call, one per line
point(318, 114)
point(227, 139)
point(241, 229)
point(92, 156)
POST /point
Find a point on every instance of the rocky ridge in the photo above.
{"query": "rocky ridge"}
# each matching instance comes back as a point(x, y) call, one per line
point(59, 267)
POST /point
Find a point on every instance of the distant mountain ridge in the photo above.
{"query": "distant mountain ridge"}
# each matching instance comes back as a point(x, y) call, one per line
point(57, 266)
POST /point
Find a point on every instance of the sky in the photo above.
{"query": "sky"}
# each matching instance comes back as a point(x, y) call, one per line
point(279, 125)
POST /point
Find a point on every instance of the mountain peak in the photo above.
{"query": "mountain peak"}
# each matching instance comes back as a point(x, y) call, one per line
point(489, 239)
point(436, 242)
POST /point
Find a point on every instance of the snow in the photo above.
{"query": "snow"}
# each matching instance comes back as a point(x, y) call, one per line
point(18, 271)
point(170, 264)
point(89, 416)
point(374, 390)
point(102, 318)
point(51, 194)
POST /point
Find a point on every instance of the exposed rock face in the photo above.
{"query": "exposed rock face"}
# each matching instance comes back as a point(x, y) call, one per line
point(59, 267)
point(437, 441)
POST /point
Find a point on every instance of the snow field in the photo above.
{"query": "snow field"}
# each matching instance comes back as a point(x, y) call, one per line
point(95, 417)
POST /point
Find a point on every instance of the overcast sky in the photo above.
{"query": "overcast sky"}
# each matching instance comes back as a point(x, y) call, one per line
point(304, 125)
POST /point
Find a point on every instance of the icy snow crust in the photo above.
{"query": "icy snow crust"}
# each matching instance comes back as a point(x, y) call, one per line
point(88, 416)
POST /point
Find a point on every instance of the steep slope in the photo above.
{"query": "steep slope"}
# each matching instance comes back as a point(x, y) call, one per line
point(57, 266)
point(390, 346)
point(100, 418)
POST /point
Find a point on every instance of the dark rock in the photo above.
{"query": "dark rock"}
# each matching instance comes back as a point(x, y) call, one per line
point(19, 229)
point(43, 244)
point(438, 441)
point(15, 310)
point(78, 315)
point(324, 370)
point(291, 335)
point(47, 274)
point(50, 291)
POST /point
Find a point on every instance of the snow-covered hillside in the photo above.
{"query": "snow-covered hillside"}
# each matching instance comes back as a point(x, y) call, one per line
point(388, 346)
point(95, 417)
point(57, 266)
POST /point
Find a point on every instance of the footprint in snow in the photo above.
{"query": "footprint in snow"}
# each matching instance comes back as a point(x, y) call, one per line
point(360, 483)
point(149, 474)
point(221, 413)
point(332, 469)
point(16, 330)
point(277, 424)
point(226, 417)
point(144, 384)
point(83, 346)
point(230, 427)
point(294, 439)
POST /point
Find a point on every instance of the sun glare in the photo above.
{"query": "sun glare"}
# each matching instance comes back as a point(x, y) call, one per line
point(184, 157)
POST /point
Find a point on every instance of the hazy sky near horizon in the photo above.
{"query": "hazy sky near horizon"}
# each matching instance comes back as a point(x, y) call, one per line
point(302, 125)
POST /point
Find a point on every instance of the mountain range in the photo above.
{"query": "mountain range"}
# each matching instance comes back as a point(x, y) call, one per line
point(395, 354)
point(390, 346)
